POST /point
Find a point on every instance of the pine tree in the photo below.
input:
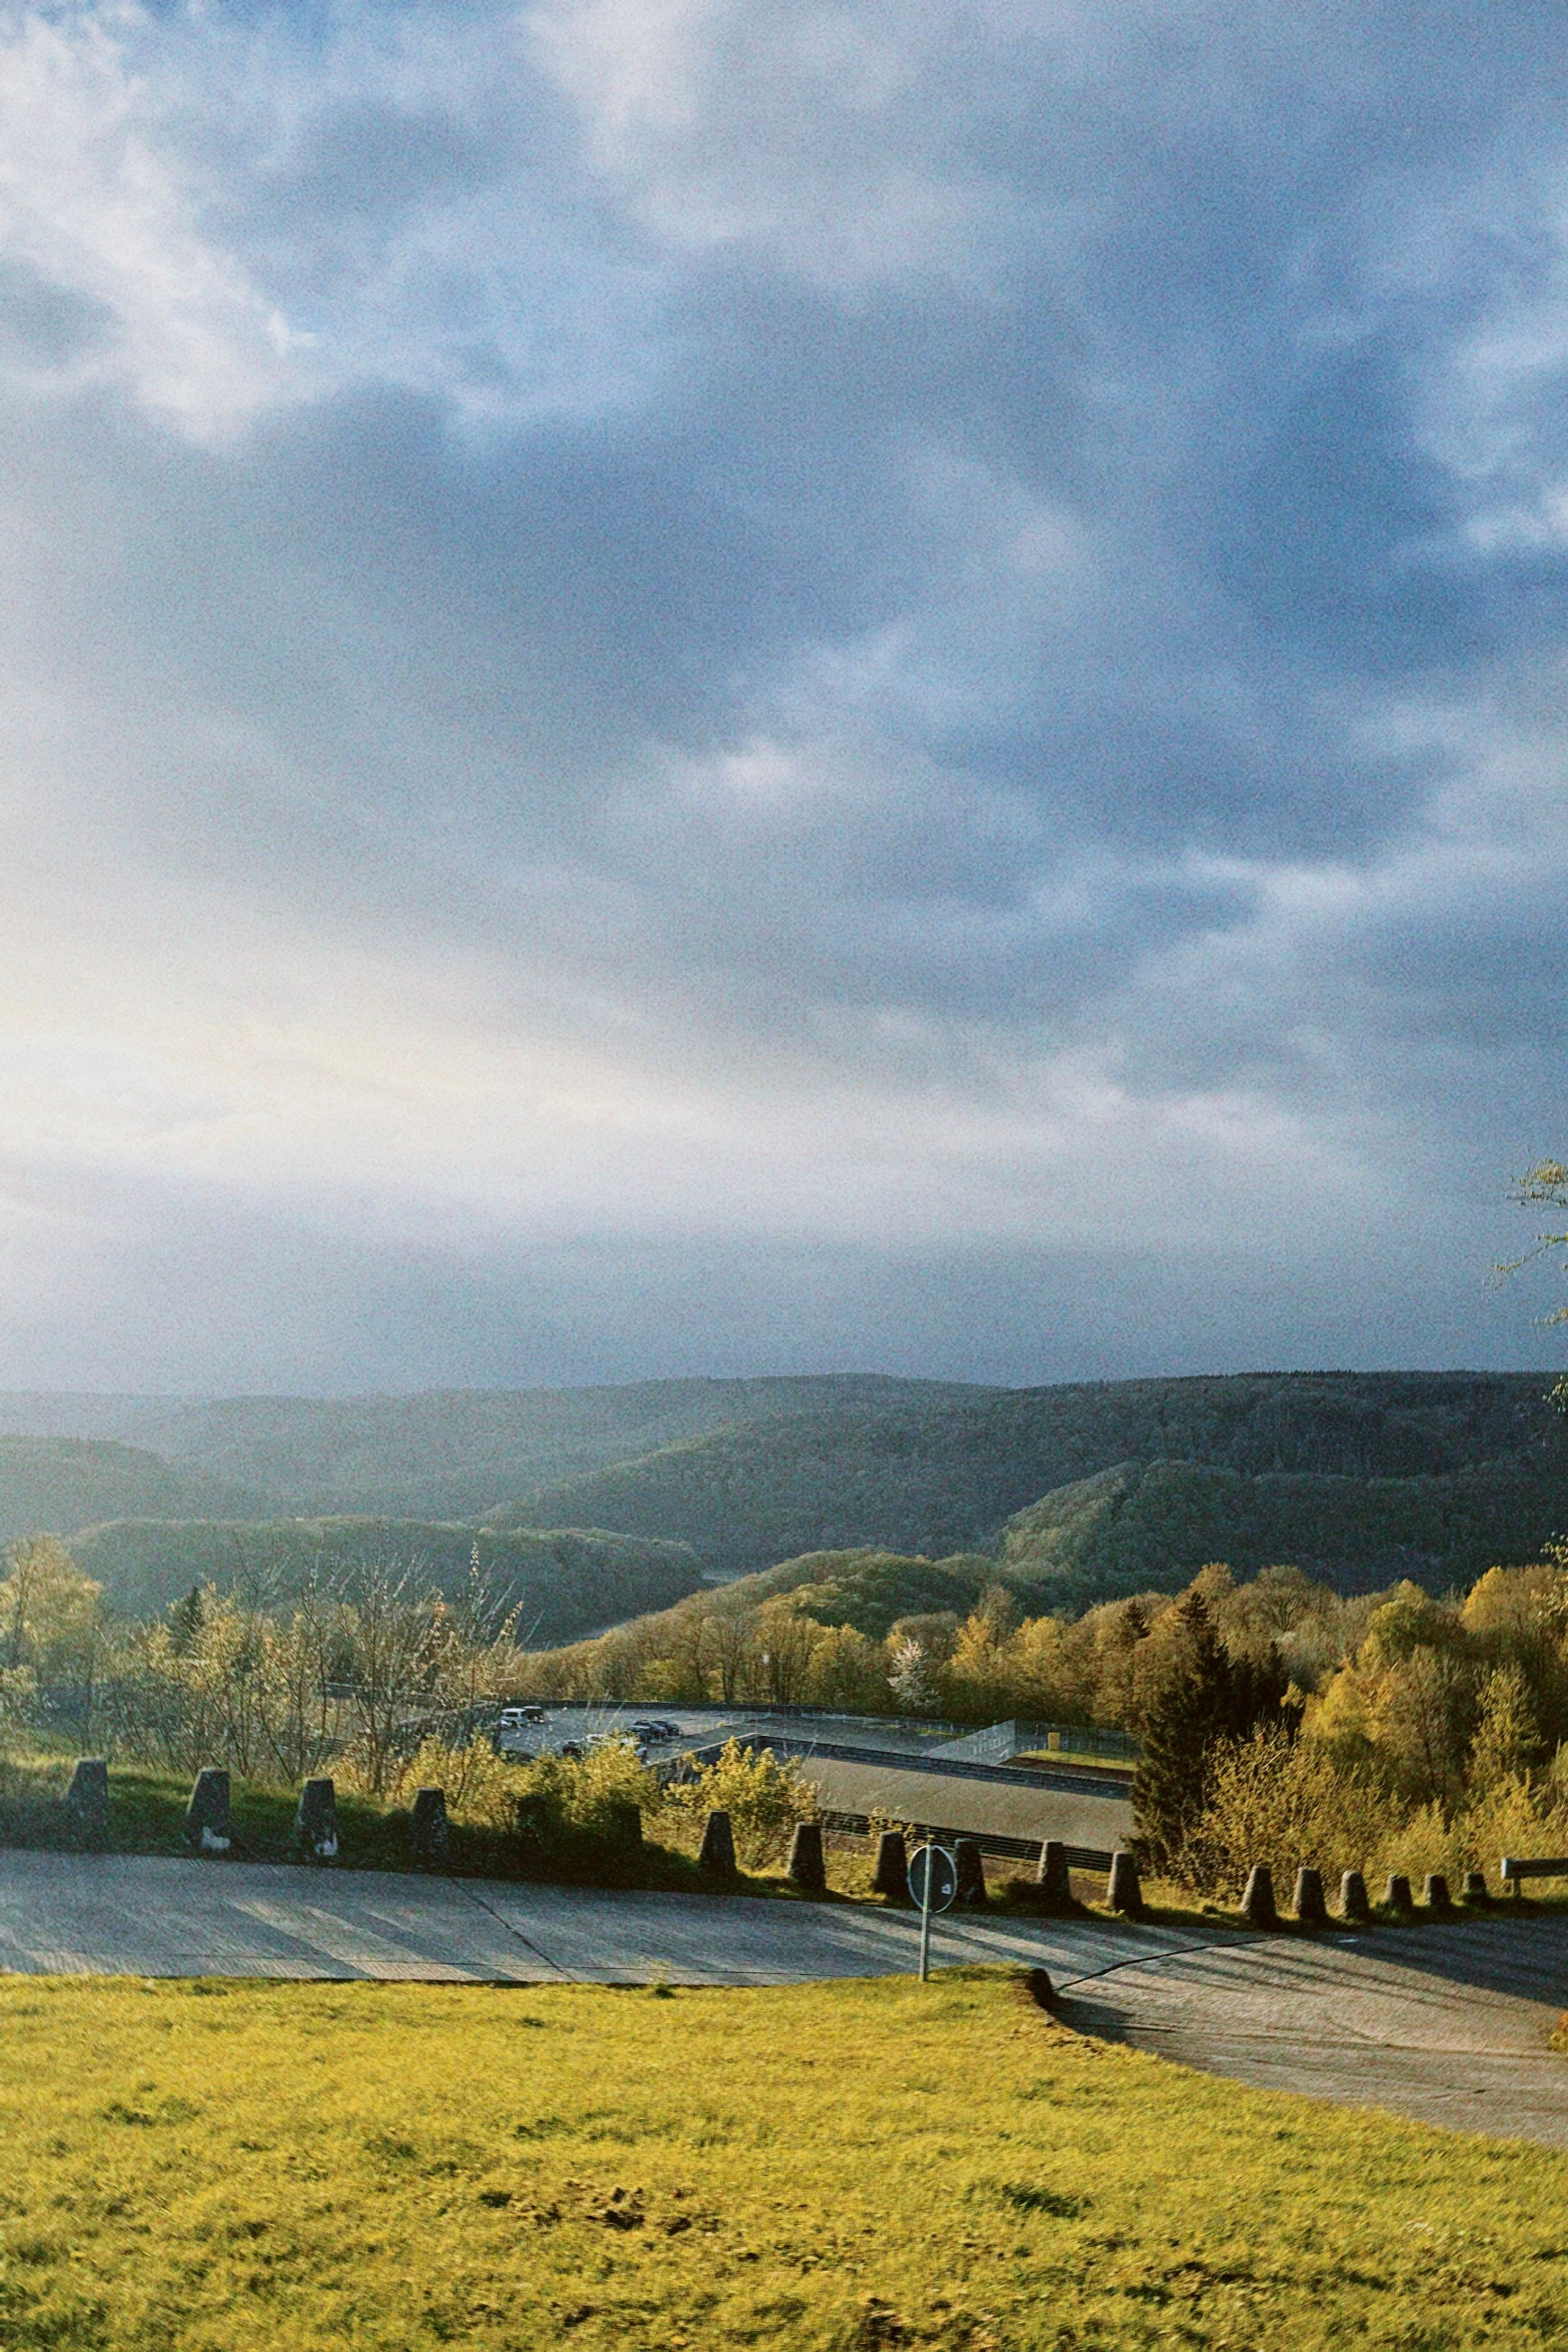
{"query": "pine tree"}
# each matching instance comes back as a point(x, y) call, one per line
point(1202, 1697)
point(187, 1619)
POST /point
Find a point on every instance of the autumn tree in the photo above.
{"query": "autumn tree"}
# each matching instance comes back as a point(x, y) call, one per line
point(49, 1617)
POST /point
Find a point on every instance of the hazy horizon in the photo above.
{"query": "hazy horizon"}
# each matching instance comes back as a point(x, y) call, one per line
point(701, 688)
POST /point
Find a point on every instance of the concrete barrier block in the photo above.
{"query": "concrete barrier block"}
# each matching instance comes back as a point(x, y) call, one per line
point(1041, 1988)
point(429, 1830)
point(1258, 1904)
point(1053, 1878)
point(1309, 1907)
point(316, 1823)
point(1355, 1908)
point(971, 1895)
point(1397, 1897)
point(87, 1801)
point(717, 1853)
point(623, 1825)
point(1476, 1889)
point(1435, 1896)
point(206, 1830)
point(891, 1877)
point(807, 1862)
point(1122, 1892)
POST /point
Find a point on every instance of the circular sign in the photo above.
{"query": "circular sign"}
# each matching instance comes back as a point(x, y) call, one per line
point(934, 1863)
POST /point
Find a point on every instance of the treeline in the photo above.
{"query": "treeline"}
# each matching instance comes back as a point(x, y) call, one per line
point(1395, 1733)
point(352, 1669)
point(879, 1631)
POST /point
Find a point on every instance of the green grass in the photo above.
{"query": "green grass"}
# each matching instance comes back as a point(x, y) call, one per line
point(204, 2168)
point(147, 1812)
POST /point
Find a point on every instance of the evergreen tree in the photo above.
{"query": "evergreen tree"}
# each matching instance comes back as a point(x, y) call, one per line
point(1200, 1696)
point(187, 1619)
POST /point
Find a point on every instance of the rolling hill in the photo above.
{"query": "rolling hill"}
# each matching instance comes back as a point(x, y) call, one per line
point(1085, 1490)
point(445, 1453)
point(58, 1484)
point(1143, 1526)
point(564, 1583)
point(1362, 1475)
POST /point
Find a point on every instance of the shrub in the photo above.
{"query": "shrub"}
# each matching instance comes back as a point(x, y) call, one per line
point(763, 1795)
point(1282, 1801)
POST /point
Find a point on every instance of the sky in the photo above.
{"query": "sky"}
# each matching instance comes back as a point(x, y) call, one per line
point(712, 686)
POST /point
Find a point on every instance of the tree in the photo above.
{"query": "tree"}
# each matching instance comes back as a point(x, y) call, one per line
point(909, 1677)
point(48, 1611)
point(187, 1619)
point(1544, 1186)
point(1507, 1740)
point(1195, 1697)
point(1402, 1707)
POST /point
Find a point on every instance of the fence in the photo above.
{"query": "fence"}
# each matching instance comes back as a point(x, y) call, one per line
point(998, 1743)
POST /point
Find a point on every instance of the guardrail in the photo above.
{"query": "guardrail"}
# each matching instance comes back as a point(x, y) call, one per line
point(992, 1841)
point(1516, 1868)
point(1081, 1778)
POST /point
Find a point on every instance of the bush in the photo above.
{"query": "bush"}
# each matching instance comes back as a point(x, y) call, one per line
point(1284, 1802)
point(1280, 1801)
point(763, 1797)
point(570, 1812)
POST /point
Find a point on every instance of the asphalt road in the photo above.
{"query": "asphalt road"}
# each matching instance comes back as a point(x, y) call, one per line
point(1445, 2024)
point(1449, 2024)
point(125, 1914)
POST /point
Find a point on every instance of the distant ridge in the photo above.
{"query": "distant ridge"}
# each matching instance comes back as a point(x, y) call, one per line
point(562, 1583)
point(58, 1484)
point(445, 1453)
point(1086, 1488)
point(1360, 1474)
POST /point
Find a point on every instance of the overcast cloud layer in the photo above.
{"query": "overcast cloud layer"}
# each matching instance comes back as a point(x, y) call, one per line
point(709, 685)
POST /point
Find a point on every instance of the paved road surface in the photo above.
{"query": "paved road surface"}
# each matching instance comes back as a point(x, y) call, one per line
point(133, 1915)
point(1445, 2024)
point(1449, 2024)
point(997, 1807)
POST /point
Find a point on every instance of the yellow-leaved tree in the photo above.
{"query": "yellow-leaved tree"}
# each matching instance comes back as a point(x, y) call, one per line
point(49, 1618)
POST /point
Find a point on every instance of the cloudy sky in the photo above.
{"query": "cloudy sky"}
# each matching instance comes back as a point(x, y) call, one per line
point(714, 685)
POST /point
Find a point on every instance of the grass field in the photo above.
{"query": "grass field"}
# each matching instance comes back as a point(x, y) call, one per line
point(201, 2167)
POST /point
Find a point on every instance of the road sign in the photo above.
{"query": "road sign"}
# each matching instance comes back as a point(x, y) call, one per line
point(933, 1877)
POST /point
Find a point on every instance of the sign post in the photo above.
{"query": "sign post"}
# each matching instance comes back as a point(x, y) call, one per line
point(934, 1883)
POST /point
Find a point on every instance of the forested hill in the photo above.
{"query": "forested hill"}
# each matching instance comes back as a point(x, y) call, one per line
point(60, 1484)
point(1425, 1471)
point(561, 1582)
point(443, 1453)
point(1122, 1484)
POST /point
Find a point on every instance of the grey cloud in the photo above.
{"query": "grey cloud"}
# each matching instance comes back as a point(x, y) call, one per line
point(883, 591)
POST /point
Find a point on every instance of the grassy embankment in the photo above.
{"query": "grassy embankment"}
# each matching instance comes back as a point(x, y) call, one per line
point(147, 1812)
point(823, 2169)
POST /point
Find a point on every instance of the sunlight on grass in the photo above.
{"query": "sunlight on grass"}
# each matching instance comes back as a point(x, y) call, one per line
point(847, 2166)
